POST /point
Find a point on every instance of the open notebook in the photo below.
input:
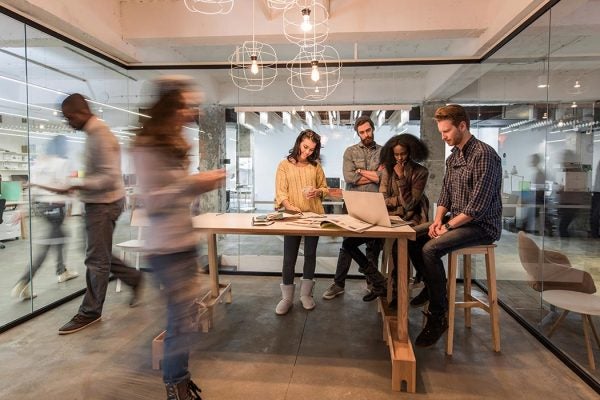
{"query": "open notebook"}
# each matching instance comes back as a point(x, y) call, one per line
point(365, 209)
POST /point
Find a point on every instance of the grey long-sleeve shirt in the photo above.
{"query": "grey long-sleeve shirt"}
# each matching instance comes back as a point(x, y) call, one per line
point(167, 192)
point(103, 182)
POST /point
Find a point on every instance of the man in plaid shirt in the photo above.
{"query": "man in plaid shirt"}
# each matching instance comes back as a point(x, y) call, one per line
point(471, 195)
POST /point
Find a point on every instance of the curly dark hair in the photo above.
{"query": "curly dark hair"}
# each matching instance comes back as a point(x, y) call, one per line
point(315, 157)
point(162, 130)
point(417, 150)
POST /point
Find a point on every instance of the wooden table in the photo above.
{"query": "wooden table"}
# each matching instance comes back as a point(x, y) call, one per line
point(401, 351)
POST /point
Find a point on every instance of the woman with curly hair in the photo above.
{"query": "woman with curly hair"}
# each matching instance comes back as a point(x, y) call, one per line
point(402, 183)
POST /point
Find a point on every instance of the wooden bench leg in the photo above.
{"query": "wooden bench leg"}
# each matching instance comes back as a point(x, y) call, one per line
point(467, 287)
point(404, 365)
point(453, 258)
point(490, 262)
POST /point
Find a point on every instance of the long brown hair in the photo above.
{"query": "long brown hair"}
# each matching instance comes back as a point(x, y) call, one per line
point(163, 129)
point(315, 157)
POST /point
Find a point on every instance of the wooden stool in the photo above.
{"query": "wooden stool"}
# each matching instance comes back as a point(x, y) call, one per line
point(470, 301)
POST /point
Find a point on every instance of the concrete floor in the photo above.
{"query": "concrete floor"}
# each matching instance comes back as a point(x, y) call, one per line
point(332, 352)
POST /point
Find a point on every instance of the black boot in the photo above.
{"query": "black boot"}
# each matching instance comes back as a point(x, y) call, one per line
point(421, 299)
point(183, 390)
point(377, 279)
point(434, 329)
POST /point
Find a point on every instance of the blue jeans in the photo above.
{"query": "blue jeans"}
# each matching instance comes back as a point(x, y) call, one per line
point(291, 245)
point(100, 221)
point(433, 267)
point(176, 272)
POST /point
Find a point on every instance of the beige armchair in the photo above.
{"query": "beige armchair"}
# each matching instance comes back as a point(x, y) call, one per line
point(551, 270)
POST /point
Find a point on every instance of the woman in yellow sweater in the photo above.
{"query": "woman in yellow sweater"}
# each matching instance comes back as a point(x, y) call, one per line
point(300, 186)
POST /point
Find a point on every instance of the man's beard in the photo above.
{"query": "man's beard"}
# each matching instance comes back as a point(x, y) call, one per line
point(368, 141)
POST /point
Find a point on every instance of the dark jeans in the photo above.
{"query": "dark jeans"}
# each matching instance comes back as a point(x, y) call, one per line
point(433, 251)
point(100, 220)
point(291, 245)
point(373, 248)
point(176, 273)
point(414, 254)
point(54, 214)
point(366, 265)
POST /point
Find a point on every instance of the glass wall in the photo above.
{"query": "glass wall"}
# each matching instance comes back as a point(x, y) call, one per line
point(535, 101)
point(42, 234)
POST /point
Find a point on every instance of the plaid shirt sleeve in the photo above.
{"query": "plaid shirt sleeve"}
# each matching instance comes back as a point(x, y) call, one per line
point(486, 170)
point(444, 199)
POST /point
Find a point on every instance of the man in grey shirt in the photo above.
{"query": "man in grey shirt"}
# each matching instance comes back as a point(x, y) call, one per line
point(103, 193)
point(361, 172)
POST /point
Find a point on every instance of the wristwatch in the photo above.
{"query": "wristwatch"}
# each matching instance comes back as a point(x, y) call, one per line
point(448, 226)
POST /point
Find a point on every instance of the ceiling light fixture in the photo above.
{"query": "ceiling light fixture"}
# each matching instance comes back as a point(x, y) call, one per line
point(280, 4)
point(209, 7)
point(577, 85)
point(542, 80)
point(314, 74)
point(325, 62)
point(254, 64)
point(305, 23)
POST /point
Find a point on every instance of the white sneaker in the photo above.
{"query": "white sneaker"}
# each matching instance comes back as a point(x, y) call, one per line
point(26, 293)
point(67, 275)
point(18, 288)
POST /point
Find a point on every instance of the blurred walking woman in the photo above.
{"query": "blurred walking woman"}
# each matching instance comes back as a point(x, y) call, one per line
point(300, 186)
point(402, 183)
point(162, 164)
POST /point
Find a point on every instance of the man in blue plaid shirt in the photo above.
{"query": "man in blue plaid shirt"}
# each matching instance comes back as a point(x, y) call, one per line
point(471, 195)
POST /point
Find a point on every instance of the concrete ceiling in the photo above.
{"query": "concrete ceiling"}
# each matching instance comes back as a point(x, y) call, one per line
point(376, 40)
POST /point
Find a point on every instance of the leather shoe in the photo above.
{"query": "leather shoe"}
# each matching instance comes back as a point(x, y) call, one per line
point(372, 295)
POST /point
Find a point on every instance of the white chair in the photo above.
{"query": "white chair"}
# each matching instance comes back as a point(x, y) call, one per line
point(140, 220)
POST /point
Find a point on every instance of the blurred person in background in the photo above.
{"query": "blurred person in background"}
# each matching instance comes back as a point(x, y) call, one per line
point(300, 187)
point(161, 156)
point(51, 171)
point(103, 193)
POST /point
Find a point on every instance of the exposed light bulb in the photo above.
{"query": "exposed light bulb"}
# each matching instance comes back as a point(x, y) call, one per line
point(574, 105)
point(315, 75)
point(254, 65)
point(576, 85)
point(316, 89)
point(306, 25)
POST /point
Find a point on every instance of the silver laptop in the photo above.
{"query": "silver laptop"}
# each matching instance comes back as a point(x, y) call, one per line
point(368, 207)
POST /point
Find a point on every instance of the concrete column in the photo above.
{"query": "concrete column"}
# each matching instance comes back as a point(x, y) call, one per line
point(432, 138)
point(211, 149)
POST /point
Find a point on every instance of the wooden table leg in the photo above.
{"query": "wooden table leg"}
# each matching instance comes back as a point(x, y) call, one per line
point(213, 266)
point(404, 366)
